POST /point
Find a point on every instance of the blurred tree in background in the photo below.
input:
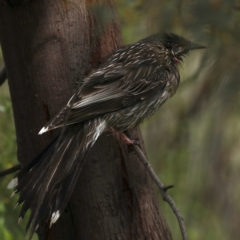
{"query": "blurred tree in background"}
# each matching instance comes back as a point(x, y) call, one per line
point(193, 141)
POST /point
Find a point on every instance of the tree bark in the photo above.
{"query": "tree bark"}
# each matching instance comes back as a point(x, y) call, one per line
point(46, 46)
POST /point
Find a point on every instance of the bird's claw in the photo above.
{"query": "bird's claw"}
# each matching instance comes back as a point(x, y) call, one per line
point(135, 142)
point(128, 141)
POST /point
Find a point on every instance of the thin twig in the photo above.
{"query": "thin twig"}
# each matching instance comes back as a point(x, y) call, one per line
point(10, 170)
point(163, 190)
point(3, 76)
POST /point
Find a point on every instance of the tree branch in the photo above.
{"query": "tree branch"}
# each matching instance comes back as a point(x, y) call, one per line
point(3, 76)
point(163, 190)
point(10, 170)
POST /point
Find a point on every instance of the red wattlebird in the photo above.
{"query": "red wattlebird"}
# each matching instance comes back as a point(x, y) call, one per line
point(129, 87)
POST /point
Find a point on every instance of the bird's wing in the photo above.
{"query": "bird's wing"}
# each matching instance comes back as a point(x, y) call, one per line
point(109, 89)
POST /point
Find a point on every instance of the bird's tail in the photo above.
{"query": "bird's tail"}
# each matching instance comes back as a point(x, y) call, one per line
point(46, 184)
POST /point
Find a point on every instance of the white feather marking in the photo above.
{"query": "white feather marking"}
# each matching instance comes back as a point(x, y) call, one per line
point(36, 228)
point(19, 220)
point(68, 104)
point(13, 193)
point(13, 183)
point(16, 205)
point(100, 128)
point(150, 69)
point(43, 130)
point(137, 73)
point(54, 218)
point(97, 132)
point(100, 97)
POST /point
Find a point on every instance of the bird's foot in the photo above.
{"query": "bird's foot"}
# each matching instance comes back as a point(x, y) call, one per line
point(128, 141)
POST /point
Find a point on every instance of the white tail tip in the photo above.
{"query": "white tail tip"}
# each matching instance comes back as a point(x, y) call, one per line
point(13, 183)
point(43, 130)
point(13, 194)
point(15, 206)
point(36, 228)
point(19, 220)
point(55, 217)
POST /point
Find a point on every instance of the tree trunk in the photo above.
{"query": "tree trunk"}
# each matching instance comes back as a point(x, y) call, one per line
point(46, 46)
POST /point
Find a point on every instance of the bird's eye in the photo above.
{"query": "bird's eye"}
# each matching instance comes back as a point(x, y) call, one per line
point(169, 44)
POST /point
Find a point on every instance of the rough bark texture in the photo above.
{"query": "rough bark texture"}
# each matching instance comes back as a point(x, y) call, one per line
point(46, 47)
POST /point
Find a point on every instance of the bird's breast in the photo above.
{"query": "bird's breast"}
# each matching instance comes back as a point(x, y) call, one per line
point(134, 115)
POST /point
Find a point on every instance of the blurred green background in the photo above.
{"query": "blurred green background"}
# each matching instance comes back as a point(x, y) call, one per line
point(193, 142)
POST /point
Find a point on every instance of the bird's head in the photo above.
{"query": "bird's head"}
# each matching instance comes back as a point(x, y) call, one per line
point(177, 47)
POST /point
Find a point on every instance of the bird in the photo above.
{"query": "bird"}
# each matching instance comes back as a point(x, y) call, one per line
point(125, 90)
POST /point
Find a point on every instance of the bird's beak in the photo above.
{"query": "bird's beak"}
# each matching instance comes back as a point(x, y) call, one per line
point(188, 48)
point(194, 46)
